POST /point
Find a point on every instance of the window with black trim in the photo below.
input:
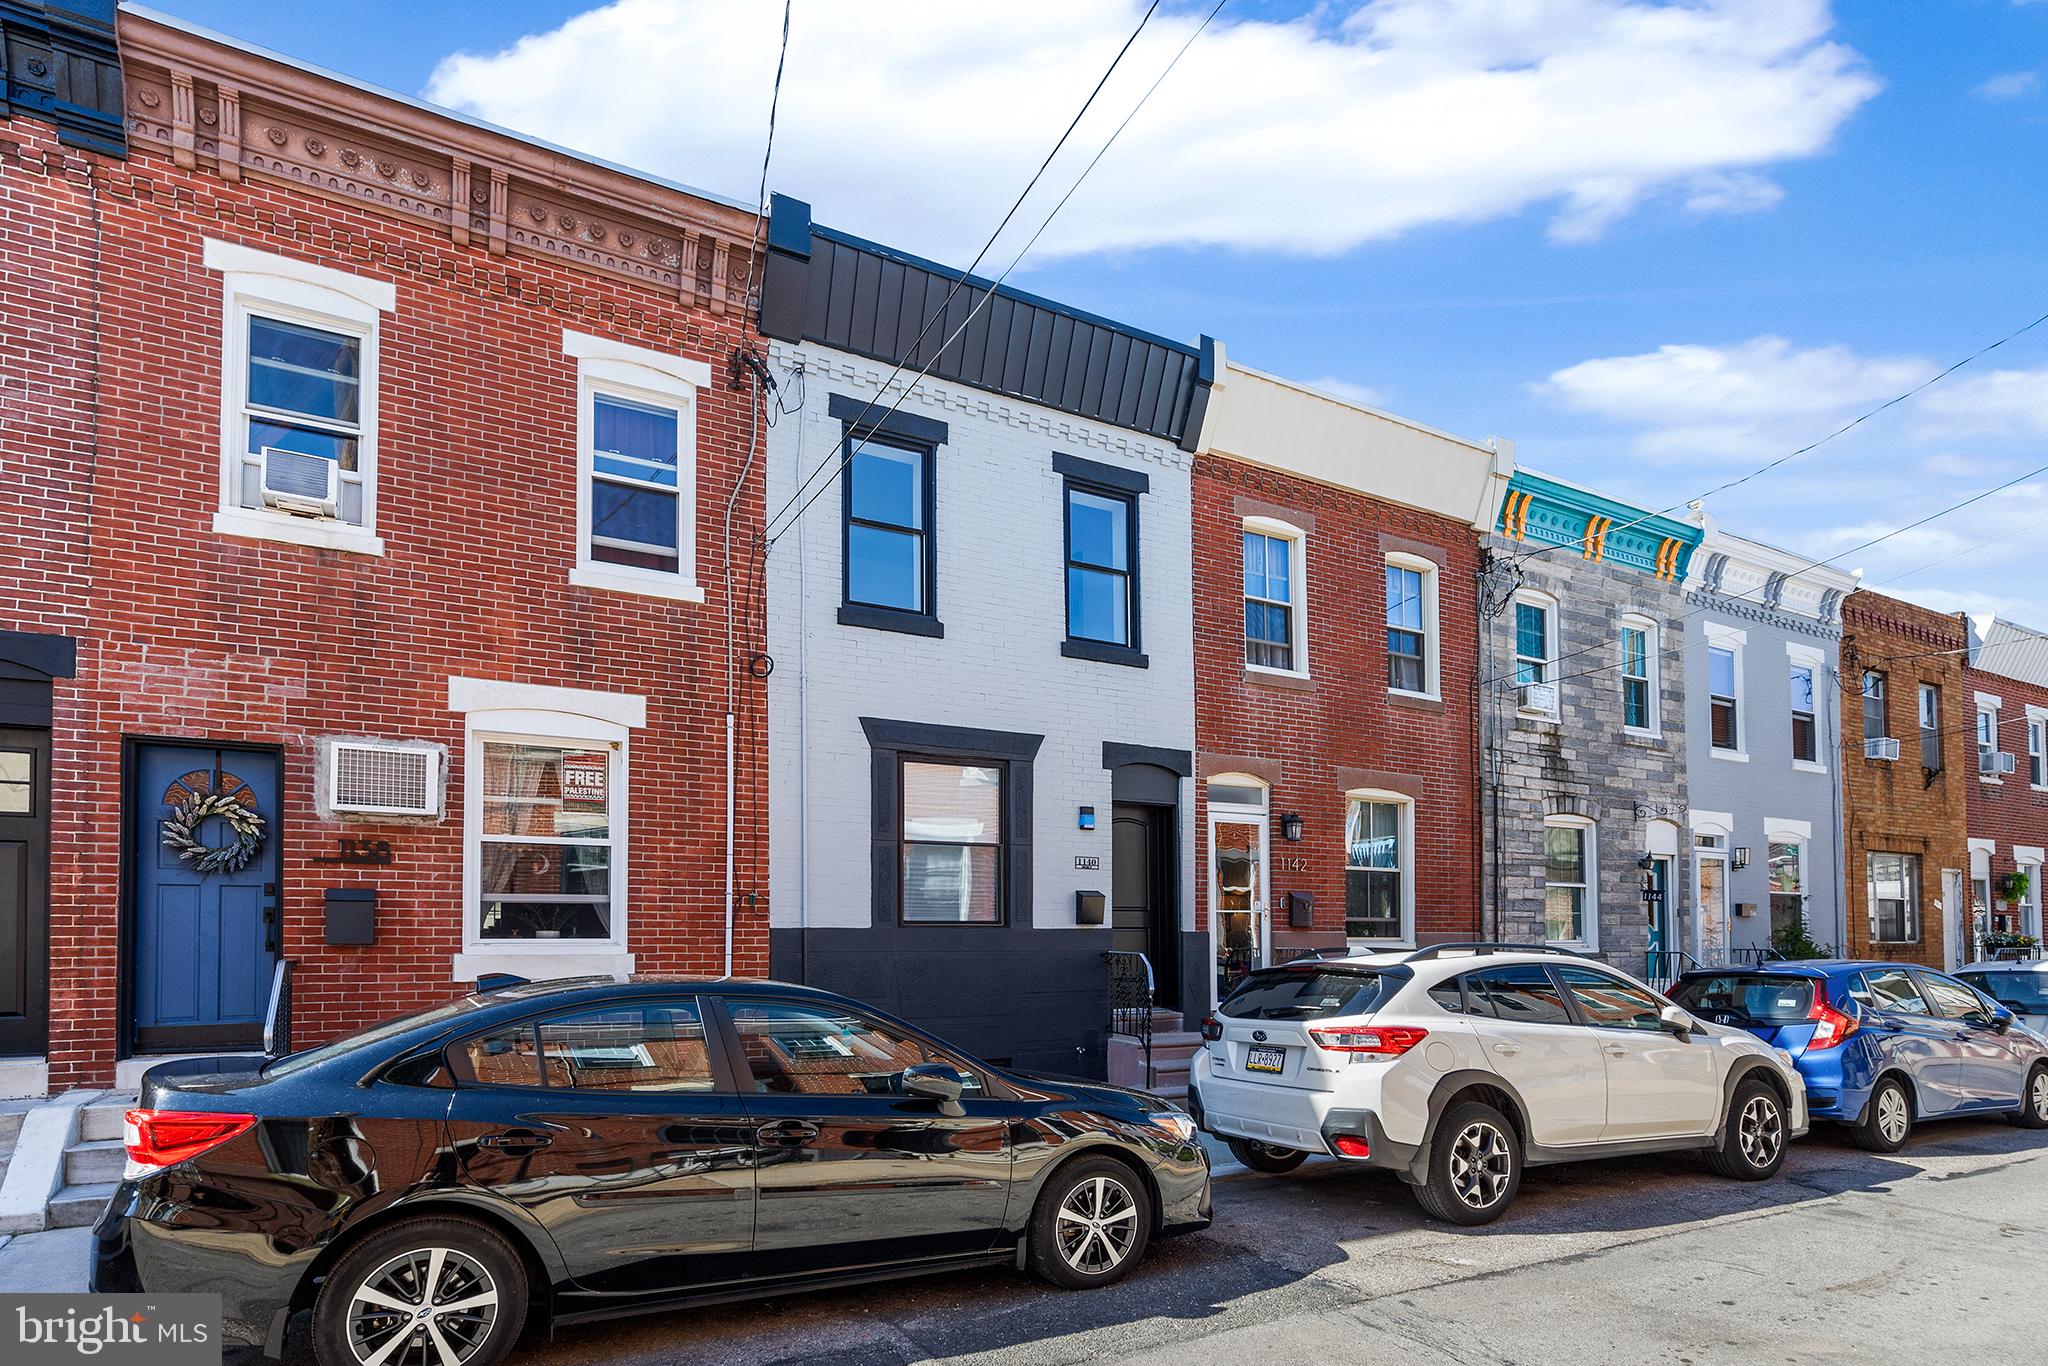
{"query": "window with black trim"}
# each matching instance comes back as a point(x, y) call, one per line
point(1102, 565)
point(951, 837)
point(888, 526)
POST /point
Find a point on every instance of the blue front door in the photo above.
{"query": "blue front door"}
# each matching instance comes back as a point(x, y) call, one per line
point(206, 916)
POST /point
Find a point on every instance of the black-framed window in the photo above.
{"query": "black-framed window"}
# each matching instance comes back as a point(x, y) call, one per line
point(1102, 565)
point(888, 506)
point(950, 834)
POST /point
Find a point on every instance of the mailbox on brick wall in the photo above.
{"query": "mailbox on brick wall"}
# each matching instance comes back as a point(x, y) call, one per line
point(351, 915)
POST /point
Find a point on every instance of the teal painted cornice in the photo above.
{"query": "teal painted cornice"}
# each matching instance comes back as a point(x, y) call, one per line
point(1540, 511)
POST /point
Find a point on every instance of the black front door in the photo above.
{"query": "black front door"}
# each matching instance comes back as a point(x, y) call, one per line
point(851, 1172)
point(24, 891)
point(1144, 882)
point(619, 1131)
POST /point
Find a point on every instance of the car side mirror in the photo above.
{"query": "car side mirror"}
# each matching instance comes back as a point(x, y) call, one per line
point(935, 1081)
point(1677, 1021)
point(2001, 1019)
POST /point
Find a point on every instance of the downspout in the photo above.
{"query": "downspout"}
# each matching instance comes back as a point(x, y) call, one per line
point(731, 679)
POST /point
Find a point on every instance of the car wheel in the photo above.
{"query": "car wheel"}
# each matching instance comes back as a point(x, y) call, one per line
point(1887, 1120)
point(1269, 1158)
point(2034, 1100)
point(1753, 1140)
point(444, 1291)
point(1475, 1166)
point(1091, 1225)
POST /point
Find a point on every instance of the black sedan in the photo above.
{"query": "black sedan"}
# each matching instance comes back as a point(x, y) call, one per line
point(579, 1149)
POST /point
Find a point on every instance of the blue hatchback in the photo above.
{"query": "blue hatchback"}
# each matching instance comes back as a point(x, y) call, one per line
point(1882, 1045)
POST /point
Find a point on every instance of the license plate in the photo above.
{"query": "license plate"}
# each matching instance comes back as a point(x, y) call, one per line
point(1265, 1060)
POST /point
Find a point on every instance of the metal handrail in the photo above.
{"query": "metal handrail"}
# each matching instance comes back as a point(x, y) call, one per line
point(277, 1016)
point(1658, 965)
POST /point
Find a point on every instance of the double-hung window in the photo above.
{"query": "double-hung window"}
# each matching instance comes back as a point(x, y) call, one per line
point(1894, 898)
point(951, 842)
point(1638, 639)
point(2037, 747)
point(1103, 586)
point(1930, 727)
point(1378, 877)
point(1570, 886)
point(1411, 625)
point(547, 842)
point(1875, 727)
point(1724, 689)
point(1805, 731)
point(1273, 626)
point(1987, 738)
point(1788, 887)
point(888, 529)
point(298, 400)
point(636, 494)
point(1535, 619)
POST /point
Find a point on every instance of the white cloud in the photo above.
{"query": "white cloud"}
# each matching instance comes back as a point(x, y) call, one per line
point(2011, 85)
point(2002, 403)
point(917, 121)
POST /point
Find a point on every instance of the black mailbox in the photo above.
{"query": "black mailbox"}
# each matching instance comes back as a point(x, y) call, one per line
point(1088, 908)
point(351, 915)
point(1301, 910)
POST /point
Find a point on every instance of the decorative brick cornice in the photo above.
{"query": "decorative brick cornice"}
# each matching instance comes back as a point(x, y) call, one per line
point(1874, 611)
point(237, 113)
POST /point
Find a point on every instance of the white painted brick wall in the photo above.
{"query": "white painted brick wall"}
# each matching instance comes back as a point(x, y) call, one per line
point(1001, 595)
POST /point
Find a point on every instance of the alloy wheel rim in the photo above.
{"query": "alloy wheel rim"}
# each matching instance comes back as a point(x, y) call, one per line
point(1891, 1114)
point(1480, 1165)
point(433, 1305)
point(2040, 1094)
point(1761, 1131)
point(1097, 1225)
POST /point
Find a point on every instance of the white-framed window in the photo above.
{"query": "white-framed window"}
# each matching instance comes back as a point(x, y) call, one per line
point(546, 822)
point(1411, 625)
point(1571, 881)
point(2037, 746)
point(1726, 728)
point(1875, 725)
point(636, 468)
point(1930, 727)
point(1987, 735)
point(1275, 596)
point(1805, 669)
point(1787, 884)
point(1535, 627)
point(298, 399)
point(2028, 861)
point(1379, 867)
point(1894, 898)
point(1640, 669)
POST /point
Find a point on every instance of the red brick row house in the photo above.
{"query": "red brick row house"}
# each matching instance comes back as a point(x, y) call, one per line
point(1336, 558)
point(366, 477)
point(2007, 679)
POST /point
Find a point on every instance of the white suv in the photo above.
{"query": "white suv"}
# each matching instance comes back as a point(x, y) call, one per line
point(1456, 1065)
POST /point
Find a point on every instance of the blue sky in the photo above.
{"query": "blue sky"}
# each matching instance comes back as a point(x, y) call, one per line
point(1654, 245)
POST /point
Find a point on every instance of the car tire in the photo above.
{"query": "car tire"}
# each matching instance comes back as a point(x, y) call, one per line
point(1270, 1158)
point(1887, 1119)
point(475, 1269)
point(2033, 1111)
point(1091, 1225)
point(1754, 1136)
point(1475, 1166)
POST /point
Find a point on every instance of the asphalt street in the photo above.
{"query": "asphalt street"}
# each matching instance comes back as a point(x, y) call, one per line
point(1931, 1255)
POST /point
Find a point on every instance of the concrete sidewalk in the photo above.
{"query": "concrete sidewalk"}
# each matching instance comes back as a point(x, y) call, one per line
point(37, 1263)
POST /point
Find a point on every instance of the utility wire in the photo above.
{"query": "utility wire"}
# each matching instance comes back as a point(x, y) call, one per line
point(1845, 428)
point(860, 423)
point(761, 197)
point(990, 293)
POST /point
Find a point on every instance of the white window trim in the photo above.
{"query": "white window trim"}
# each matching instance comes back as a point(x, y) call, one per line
point(1734, 640)
point(1297, 592)
point(1536, 597)
point(1432, 682)
point(2037, 725)
point(1989, 705)
point(269, 285)
point(1798, 834)
point(1807, 657)
point(1405, 866)
point(641, 375)
point(547, 715)
point(1590, 908)
point(1653, 663)
point(1916, 903)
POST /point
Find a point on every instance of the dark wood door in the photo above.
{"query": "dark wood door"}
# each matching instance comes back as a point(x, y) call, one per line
point(24, 891)
point(1144, 905)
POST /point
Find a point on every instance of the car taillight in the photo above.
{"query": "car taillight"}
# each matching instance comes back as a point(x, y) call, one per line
point(164, 1138)
point(1387, 1040)
point(1212, 1029)
point(1830, 1026)
point(1351, 1145)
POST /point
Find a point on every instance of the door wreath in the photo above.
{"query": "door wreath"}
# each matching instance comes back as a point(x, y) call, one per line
point(180, 837)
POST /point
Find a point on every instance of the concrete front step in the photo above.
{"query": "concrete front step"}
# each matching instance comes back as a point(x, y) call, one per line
point(80, 1206)
point(92, 1164)
point(105, 1118)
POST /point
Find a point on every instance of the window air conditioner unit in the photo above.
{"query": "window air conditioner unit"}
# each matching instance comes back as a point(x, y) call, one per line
point(1883, 747)
point(303, 485)
point(1536, 696)
point(372, 778)
point(1993, 764)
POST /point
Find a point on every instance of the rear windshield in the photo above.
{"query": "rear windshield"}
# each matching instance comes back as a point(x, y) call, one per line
point(390, 1029)
point(1307, 994)
point(1751, 998)
point(2025, 992)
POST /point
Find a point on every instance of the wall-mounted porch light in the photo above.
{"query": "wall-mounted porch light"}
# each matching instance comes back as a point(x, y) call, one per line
point(1290, 827)
point(1741, 856)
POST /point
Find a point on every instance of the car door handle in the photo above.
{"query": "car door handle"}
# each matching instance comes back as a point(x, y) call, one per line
point(1507, 1050)
point(787, 1133)
point(515, 1140)
point(1615, 1050)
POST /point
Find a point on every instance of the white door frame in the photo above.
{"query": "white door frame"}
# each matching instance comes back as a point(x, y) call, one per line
point(1229, 813)
point(1700, 859)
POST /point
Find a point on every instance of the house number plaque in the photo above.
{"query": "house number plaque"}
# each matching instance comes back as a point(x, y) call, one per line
point(359, 852)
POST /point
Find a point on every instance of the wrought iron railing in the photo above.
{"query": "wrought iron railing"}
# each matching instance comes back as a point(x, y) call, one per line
point(1662, 966)
point(1131, 992)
